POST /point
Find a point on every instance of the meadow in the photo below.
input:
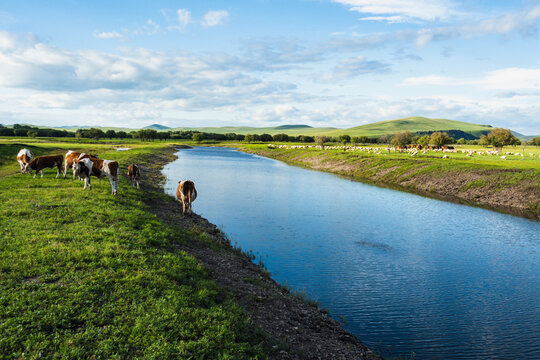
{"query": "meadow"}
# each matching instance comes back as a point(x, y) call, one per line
point(88, 275)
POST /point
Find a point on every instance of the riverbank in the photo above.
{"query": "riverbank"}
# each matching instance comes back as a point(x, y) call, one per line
point(88, 274)
point(497, 186)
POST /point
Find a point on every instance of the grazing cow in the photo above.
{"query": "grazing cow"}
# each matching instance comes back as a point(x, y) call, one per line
point(42, 162)
point(186, 194)
point(100, 168)
point(69, 160)
point(24, 156)
point(83, 169)
point(134, 173)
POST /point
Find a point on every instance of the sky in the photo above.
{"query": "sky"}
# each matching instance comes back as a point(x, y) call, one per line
point(339, 63)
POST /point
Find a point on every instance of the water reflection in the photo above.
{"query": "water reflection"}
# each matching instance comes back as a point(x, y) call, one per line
point(446, 281)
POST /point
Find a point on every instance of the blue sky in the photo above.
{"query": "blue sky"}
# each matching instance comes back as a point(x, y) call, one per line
point(338, 63)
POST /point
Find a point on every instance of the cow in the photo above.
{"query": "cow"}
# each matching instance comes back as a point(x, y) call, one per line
point(71, 158)
point(46, 161)
point(186, 194)
point(24, 156)
point(100, 168)
point(83, 169)
point(134, 173)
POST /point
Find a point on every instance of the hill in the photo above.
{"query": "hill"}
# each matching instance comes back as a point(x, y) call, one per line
point(157, 127)
point(286, 129)
point(415, 124)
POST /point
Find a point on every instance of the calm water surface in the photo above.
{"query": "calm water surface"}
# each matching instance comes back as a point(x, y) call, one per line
point(408, 273)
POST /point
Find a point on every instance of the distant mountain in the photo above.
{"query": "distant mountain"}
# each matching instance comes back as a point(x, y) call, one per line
point(157, 127)
point(289, 127)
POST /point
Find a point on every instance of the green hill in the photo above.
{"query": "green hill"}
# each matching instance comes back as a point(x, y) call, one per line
point(414, 124)
point(285, 129)
point(157, 127)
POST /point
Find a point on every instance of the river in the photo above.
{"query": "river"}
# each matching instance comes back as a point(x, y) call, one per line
point(404, 272)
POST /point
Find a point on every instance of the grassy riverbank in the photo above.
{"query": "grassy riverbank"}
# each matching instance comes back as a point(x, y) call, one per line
point(88, 275)
point(511, 185)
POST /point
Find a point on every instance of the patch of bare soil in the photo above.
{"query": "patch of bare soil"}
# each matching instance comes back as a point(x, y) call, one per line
point(297, 329)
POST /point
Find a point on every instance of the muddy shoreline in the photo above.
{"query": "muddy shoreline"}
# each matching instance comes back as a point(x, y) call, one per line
point(296, 327)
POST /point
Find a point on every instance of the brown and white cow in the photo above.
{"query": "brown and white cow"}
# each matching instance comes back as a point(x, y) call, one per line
point(24, 156)
point(99, 168)
point(186, 194)
point(42, 162)
point(134, 173)
point(71, 158)
point(83, 169)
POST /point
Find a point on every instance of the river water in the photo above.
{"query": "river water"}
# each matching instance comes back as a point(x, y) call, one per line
point(406, 273)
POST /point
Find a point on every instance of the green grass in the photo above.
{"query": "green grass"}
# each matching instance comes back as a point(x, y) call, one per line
point(84, 274)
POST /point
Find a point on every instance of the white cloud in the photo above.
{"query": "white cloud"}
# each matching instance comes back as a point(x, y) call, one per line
point(507, 79)
point(214, 18)
point(108, 35)
point(404, 10)
point(184, 17)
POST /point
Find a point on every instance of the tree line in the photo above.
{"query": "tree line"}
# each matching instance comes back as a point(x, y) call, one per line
point(497, 137)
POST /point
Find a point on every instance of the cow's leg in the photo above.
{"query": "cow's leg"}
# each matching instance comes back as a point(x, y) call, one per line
point(65, 169)
point(42, 173)
point(183, 207)
point(85, 183)
point(137, 183)
point(58, 169)
point(22, 165)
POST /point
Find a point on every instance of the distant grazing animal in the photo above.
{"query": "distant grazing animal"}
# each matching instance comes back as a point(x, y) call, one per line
point(24, 156)
point(46, 161)
point(83, 169)
point(186, 194)
point(100, 168)
point(134, 173)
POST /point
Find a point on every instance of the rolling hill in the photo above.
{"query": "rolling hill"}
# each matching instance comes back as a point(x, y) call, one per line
point(456, 129)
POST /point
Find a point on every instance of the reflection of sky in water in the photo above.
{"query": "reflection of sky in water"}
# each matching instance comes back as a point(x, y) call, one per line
point(417, 274)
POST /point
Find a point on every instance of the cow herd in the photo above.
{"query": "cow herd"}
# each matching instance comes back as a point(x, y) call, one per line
point(86, 165)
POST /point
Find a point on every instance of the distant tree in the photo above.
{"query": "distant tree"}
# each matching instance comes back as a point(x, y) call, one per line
point(483, 140)
point(306, 139)
point(32, 133)
point(385, 139)
point(320, 140)
point(499, 137)
point(281, 137)
point(239, 137)
point(345, 139)
point(461, 141)
point(440, 139)
point(424, 140)
point(266, 137)
point(110, 134)
point(94, 133)
point(197, 137)
point(122, 135)
point(535, 141)
point(402, 138)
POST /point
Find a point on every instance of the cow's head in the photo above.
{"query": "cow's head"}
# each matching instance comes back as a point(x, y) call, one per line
point(76, 169)
point(27, 169)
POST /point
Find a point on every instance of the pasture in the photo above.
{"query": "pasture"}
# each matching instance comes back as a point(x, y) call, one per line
point(88, 275)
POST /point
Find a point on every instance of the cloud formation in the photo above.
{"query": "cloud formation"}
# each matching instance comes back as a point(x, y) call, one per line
point(214, 18)
point(401, 10)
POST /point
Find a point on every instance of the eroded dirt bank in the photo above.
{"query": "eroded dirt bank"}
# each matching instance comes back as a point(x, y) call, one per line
point(296, 327)
point(513, 191)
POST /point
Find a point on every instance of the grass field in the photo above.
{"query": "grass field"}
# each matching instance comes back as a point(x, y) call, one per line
point(88, 275)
